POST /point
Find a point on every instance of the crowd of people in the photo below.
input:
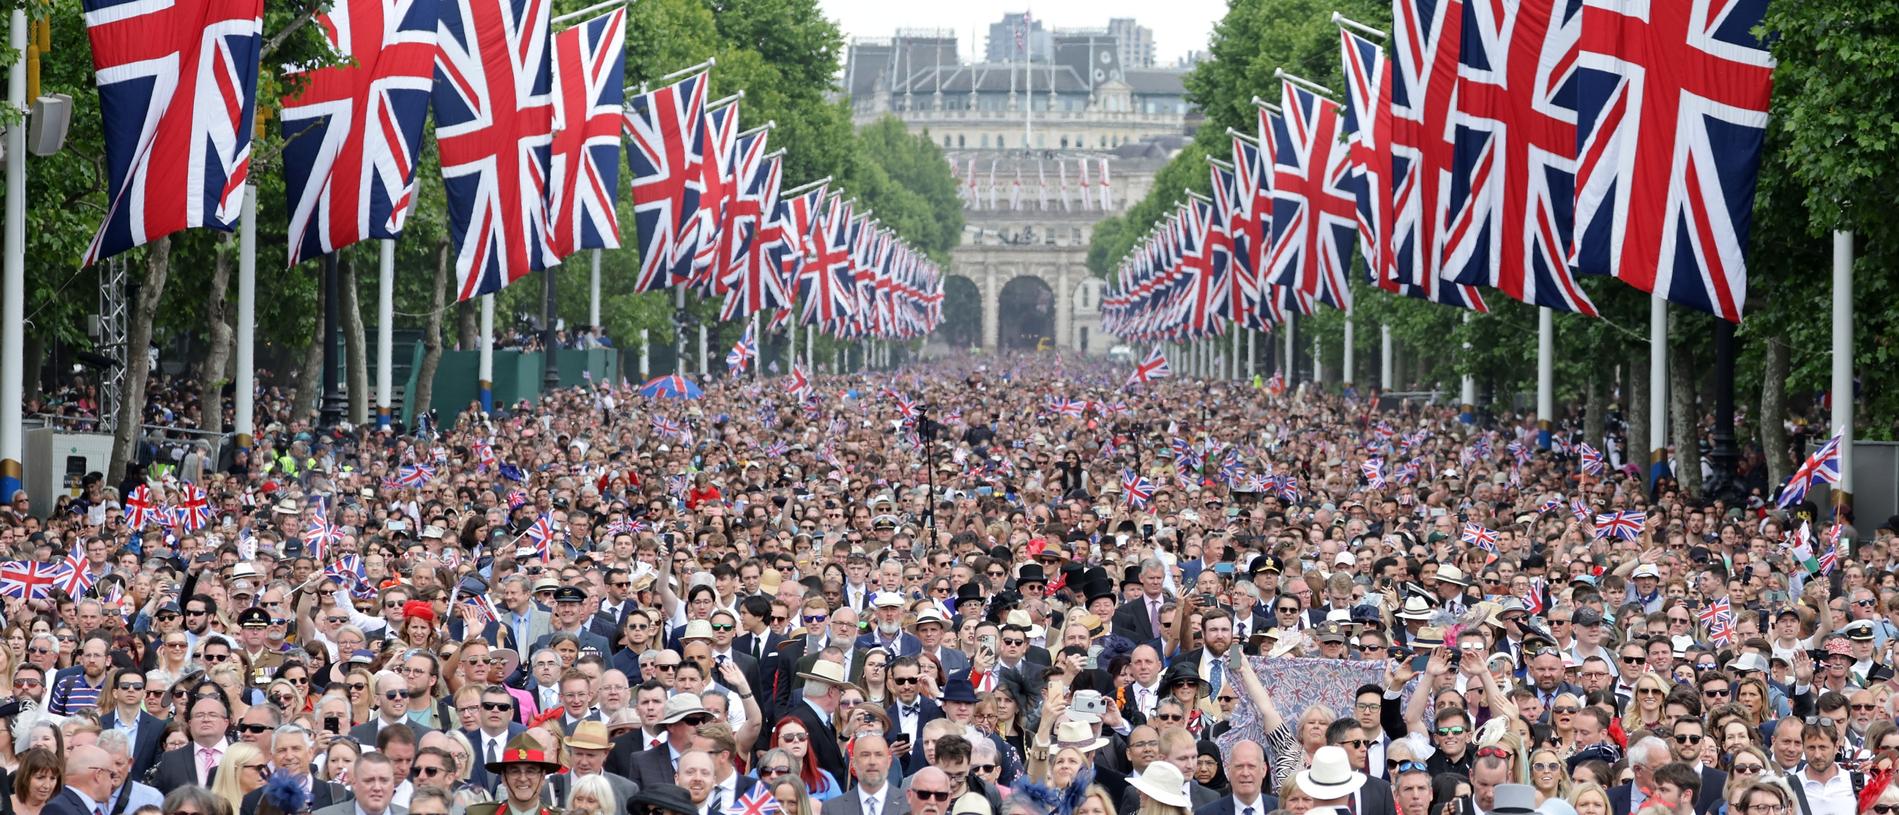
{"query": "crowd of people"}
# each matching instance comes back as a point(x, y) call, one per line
point(1020, 588)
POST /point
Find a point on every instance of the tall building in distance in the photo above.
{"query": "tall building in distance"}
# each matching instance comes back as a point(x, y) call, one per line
point(1010, 39)
point(1136, 42)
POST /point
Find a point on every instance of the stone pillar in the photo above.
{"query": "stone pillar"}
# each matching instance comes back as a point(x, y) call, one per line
point(991, 301)
point(1064, 309)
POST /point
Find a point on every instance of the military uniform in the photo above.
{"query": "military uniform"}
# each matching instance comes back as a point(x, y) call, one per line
point(264, 665)
point(522, 749)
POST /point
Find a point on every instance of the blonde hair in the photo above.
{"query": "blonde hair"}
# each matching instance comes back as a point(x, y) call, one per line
point(1577, 792)
point(229, 785)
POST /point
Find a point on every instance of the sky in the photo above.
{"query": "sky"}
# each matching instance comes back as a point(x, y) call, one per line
point(1179, 26)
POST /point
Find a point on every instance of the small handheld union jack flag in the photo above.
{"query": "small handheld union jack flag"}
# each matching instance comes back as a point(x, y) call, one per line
point(193, 511)
point(1591, 459)
point(1623, 525)
point(798, 384)
point(1550, 504)
point(740, 357)
point(541, 534)
point(24, 579)
point(1481, 537)
point(1288, 489)
point(414, 475)
point(1719, 615)
point(1374, 471)
point(1152, 368)
point(757, 802)
point(1822, 466)
point(1139, 490)
point(1580, 509)
point(78, 575)
point(319, 536)
point(140, 508)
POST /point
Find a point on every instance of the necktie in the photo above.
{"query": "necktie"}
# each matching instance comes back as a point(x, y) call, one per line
point(870, 805)
point(1216, 671)
point(1140, 695)
point(1247, 811)
point(912, 710)
point(207, 761)
point(719, 660)
point(494, 747)
point(713, 805)
point(1153, 616)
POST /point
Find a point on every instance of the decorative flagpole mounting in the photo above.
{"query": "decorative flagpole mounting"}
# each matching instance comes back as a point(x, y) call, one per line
point(643, 87)
point(1281, 73)
point(588, 11)
point(1340, 19)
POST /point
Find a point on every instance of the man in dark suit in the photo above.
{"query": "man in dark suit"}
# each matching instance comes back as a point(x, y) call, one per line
point(145, 731)
point(89, 773)
point(290, 751)
point(1685, 741)
point(659, 765)
point(392, 691)
point(816, 706)
point(492, 734)
point(570, 618)
point(886, 630)
point(589, 747)
point(1644, 757)
point(374, 781)
point(1374, 798)
point(1246, 773)
point(910, 710)
point(206, 721)
point(1139, 619)
point(873, 792)
point(759, 642)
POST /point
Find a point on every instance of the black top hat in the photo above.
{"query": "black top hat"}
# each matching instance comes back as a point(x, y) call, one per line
point(663, 798)
point(968, 593)
point(1098, 589)
point(1030, 573)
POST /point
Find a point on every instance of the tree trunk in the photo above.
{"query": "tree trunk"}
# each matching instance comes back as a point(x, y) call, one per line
point(310, 376)
point(1595, 407)
point(1636, 445)
point(431, 337)
point(138, 370)
point(1683, 377)
point(357, 355)
point(218, 345)
point(467, 326)
point(32, 368)
point(1773, 412)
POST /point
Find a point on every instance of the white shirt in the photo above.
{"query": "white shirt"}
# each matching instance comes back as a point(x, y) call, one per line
point(1831, 797)
point(722, 793)
point(907, 721)
point(1147, 696)
point(873, 803)
point(1242, 807)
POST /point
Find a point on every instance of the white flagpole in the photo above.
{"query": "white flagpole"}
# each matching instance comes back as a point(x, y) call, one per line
point(385, 332)
point(1384, 357)
point(1843, 362)
point(1545, 374)
point(593, 300)
point(485, 373)
point(1252, 369)
point(758, 351)
point(245, 422)
point(1657, 386)
point(1350, 356)
point(1467, 387)
point(1233, 370)
point(13, 272)
point(646, 355)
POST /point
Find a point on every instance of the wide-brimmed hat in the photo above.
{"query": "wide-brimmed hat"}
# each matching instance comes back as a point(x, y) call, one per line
point(1079, 735)
point(1163, 782)
point(1331, 776)
point(1180, 672)
point(680, 706)
point(1416, 608)
point(523, 749)
point(696, 630)
point(1452, 575)
point(929, 615)
point(667, 798)
point(959, 689)
point(1513, 799)
point(590, 735)
point(1288, 640)
point(826, 671)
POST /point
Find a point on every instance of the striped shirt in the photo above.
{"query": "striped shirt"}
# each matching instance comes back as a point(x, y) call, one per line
point(73, 695)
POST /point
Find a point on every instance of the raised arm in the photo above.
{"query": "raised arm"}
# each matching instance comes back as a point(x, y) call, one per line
point(1269, 715)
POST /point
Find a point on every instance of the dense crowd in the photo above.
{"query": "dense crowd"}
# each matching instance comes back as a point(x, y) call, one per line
point(1026, 588)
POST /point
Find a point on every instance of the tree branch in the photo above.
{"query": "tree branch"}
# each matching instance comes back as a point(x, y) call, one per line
point(302, 18)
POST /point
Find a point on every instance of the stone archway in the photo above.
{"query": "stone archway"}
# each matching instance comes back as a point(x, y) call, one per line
point(962, 312)
point(1025, 313)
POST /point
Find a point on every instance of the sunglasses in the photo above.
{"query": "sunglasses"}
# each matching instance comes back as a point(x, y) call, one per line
point(395, 695)
point(1411, 766)
point(253, 729)
point(497, 707)
point(1746, 769)
point(1688, 738)
point(1450, 731)
point(943, 795)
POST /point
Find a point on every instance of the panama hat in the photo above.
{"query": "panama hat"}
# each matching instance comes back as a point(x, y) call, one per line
point(1077, 734)
point(1452, 575)
point(1331, 776)
point(681, 706)
point(1163, 782)
point(1416, 608)
point(825, 671)
point(590, 735)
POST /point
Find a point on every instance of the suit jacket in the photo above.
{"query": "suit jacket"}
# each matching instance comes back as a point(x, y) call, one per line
point(562, 784)
point(1229, 806)
point(593, 715)
point(895, 802)
point(1131, 621)
point(906, 644)
point(1619, 799)
point(626, 748)
point(66, 803)
point(365, 733)
point(927, 711)
point(479, 773)
point(654, 766)
point(1374, 798)
point(1197, 796)
point(763, 667)
point(151, 736)
point(539, 623)
point(1713, 782)
point(349, 808)
point(177, 768)
point(823, 738)
point(322, 794)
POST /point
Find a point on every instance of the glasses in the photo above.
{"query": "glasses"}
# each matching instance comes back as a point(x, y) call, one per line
point(1746, 769)
point(1886, 809)
point(814, 619)
point(1635, 660)
point(794, 737)
point(1450, 731)
point(1170, 717)
point(1687, 738)
point(984, 768)
point(1715, 693)
point(282, 700)
point(1546, 766)
point(428, 772)
point(1411, 766)
point(1493, 752)
point(253, 729)
point(1648, 691)
point(395, 695)
point(1776, 809)
point(1356, 744)
point(215, 657)
point(497, 707)
point(1682, 620)
point(666, 666)
point(358, 687)
point(774, 772)
point(194, 612)
point(723, 626)
point(1864, 706)
point(261, 768)
point(1014, 642)
point(904, 680)
point(930, 795)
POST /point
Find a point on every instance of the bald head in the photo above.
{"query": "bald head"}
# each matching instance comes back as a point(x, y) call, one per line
point(929, 792)
point(89, 769)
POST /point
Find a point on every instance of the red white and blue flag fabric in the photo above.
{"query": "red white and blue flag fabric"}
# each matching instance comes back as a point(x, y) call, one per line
point(541, 535)
point(193, 510)
point(1152, 368)
point(78, 571)
point(1368, 120)
point(319, 537)
point(1672, 102)
point(1592, 462)
point(29, 580)
point(825, 288)
point(1621, 525)
point(741, 355)
point(1822, 466)
point(494, 120)
point(1137, 489)
point(177, 98)
point(757, 801)
point(1315, 210)
point(584, 167)
point(414, 475)
point(1512, 198)
point(1719, 615)
point(1480, 536)
point(666, 128)
point(1426, 37)
point(353, 132)
point(141, 508)
point(715, 179)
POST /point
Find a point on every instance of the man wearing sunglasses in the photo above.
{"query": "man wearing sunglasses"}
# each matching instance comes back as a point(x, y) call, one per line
point(145, 732)
point(392, 707)
point(928, 792)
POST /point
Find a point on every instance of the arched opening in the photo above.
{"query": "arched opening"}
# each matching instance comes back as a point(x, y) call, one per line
point(1025, 313)
point(962, 313)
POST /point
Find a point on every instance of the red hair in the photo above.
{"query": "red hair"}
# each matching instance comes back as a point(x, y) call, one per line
point(808, 770)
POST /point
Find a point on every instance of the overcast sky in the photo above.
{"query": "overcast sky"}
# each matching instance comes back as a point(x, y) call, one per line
point(1179, 25)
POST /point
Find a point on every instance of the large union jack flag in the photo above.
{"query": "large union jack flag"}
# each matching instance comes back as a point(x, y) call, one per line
point(720, 147)
point(825, 285)
point(352, 134)
point(177, 96)
point(29, 580)
point(1426, 37)
point(666, 128)
point(494, 118)
point(1823, 466)
point(1315, 210)
point(584, 171)
point(748, 276)
point(1512, 194)
point(1672, 97)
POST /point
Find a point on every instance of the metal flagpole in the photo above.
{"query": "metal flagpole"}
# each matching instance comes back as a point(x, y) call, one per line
point(1384, 357)
point(1233, 370)
point(13, 269)
point(550, 342)
point(758, 354)
point(485, 374)
point(1318, 363)
point(1252, 369)
point(702, 350)
point(1290, 367)
point(646, 355)
point(1545, 374)
point(593, 300)
point(244, 423)
point(1843, 363)
point(1350, 356)
point(330, 411)
point(1657, 387)
point(679, 329)
point(385, 333)
point(1467, 387)
point(1028, 99)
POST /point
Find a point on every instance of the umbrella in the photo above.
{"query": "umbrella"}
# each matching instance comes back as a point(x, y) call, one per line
point(671, 387)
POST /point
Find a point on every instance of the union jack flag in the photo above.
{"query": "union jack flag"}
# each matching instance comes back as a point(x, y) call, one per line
point(1822, 465)
point(758, 801)
point(666, 128)
point(78, 571)
point(1232, 469)
point(1315, 214)
point(667, 426)
point(1374, 472)
point(1829, 559)
point(1580, 509)
point(494, 119)
point(485, 611)
point(825, 285)
point(1672, 102)
point(140, 508)
point(1509, 225)
point(1592, 463)
point(1719, 615)
point(715, 169)
point(1249, 222)
point(1550, 504)
point(415, 475)
point(1519, 451)
point(193, 510)
point(1152, 368)
point(798, 384)
point(1533, 599)
point(1623, 525)
point(516, 498)
point(352, 134)
point(29, 580)
point(319, 536)
point(741, 354)
point(584, 171)
point(177, 94)
point(1186, 457)
point(541, 534)
point(764, 237)
point(1288, 489)
point(1137, 489)
point(1368, 120)
point(1427, 36)
point(1481, 537)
